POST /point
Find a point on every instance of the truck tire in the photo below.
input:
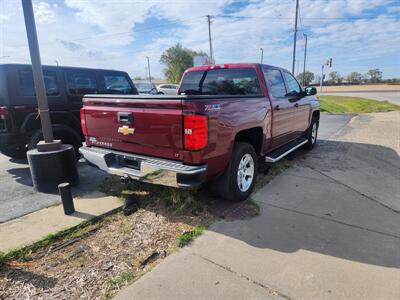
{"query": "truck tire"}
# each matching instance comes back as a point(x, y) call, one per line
point(237, 182)
point(312, 133)
point(61, 132)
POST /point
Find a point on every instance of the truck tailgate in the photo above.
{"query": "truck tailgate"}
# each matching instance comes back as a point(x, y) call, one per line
point(147, 126)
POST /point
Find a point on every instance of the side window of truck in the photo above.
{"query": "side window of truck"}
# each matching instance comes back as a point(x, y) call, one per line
point(28, 87)
point(275, 82)
point(293, 85)
point(81, 83)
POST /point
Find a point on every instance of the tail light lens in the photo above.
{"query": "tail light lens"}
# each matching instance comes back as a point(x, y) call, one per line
point(83, 122)
point(195, 132)
point(3, 112)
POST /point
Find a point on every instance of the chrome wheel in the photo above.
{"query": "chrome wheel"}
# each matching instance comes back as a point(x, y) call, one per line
point(245, 174)
point(314, 133)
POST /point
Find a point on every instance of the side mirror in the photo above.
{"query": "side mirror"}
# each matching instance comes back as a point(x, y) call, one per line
point(310, 90)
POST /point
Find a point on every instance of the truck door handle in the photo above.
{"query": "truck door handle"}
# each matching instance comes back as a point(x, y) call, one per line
point(125, 117)
point(296, 105)
point(277, 107)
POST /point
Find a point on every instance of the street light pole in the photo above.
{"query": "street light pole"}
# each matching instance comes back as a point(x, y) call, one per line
point(148, 67)
point(37, 71)
point(262, 54)
point(295, 36)
point(322, 79)
point(209, 37)
point(305, 58)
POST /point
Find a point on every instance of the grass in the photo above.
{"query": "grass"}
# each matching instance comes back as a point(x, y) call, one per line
point(122, 279)
point(342, 104)
point(24, 253)
point(186, 238)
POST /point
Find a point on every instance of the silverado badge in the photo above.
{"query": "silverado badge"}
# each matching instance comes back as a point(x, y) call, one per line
point(125, 130)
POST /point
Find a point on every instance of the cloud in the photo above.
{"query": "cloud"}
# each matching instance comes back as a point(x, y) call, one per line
point(120, 34)
point(71, 46)
point(44, 12)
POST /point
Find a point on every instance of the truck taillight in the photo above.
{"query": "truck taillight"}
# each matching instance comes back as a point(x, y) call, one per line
point(83, 122)
point(195, 132)
point(3, 112)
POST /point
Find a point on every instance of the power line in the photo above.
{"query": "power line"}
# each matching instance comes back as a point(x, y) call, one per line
point(309, 18)
point(122, 33)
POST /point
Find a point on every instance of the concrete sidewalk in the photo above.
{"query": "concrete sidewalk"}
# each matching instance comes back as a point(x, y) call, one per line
point(328, 229)
point(35, 226)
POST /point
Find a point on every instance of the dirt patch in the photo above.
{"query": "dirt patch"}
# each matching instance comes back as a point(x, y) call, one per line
point(98, 260)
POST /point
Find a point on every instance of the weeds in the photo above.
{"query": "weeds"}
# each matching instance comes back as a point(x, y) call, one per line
point(186, 238)
point(117, 282)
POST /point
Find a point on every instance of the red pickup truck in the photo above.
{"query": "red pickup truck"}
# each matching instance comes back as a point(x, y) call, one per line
point(223, 120)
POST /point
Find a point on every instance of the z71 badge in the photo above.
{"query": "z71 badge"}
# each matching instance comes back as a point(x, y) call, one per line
point(209, 107)
point(125, 130)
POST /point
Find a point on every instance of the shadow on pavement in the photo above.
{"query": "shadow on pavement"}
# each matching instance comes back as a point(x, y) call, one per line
point(317, 205)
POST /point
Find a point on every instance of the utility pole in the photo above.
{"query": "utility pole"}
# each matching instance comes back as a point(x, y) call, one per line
point(262, 54)
point(209, 36)
point(148, 67)
point(43, 107)
point(51, 163)
point(295, 36)
point(305, 58)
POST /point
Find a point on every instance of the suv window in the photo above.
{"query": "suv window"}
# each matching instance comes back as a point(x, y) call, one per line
point(239, 81)
point(28, 87)
point(80, 83)
point(293, 85)
point(117, 84)
point(275, 83)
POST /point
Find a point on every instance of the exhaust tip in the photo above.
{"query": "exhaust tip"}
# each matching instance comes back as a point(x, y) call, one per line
point(125, 179)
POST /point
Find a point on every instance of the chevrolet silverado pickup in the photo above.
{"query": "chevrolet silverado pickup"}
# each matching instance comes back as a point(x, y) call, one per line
point(224, 119)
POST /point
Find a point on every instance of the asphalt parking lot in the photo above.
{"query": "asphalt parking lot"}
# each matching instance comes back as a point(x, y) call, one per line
point(18, 197)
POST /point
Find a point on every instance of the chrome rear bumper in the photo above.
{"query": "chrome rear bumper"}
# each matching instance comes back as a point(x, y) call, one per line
point(145, 168)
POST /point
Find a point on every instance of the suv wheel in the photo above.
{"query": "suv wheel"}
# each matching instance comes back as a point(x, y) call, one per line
point(312, 133)
point(237, 182)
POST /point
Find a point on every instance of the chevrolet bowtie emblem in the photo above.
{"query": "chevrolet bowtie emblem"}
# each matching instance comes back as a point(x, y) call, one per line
point(125, 130)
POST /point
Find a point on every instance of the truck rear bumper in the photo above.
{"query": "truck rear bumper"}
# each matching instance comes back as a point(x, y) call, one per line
point(145, 168)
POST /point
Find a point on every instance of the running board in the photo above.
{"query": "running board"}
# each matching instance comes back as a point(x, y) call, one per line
point(280, 153)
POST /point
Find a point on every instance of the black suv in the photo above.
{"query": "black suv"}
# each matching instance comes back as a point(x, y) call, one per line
point(65, 86)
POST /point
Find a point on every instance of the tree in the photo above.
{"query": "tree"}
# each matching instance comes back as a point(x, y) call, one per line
point(375, 75)
point(137, 78)
point(177, 59)
point(334, 77)
point(306, 79)
point(354, 77)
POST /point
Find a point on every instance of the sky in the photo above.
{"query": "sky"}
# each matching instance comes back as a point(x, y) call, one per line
point(357, 34)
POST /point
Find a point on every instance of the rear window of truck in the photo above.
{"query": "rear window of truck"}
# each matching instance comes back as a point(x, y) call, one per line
point(232, 81)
